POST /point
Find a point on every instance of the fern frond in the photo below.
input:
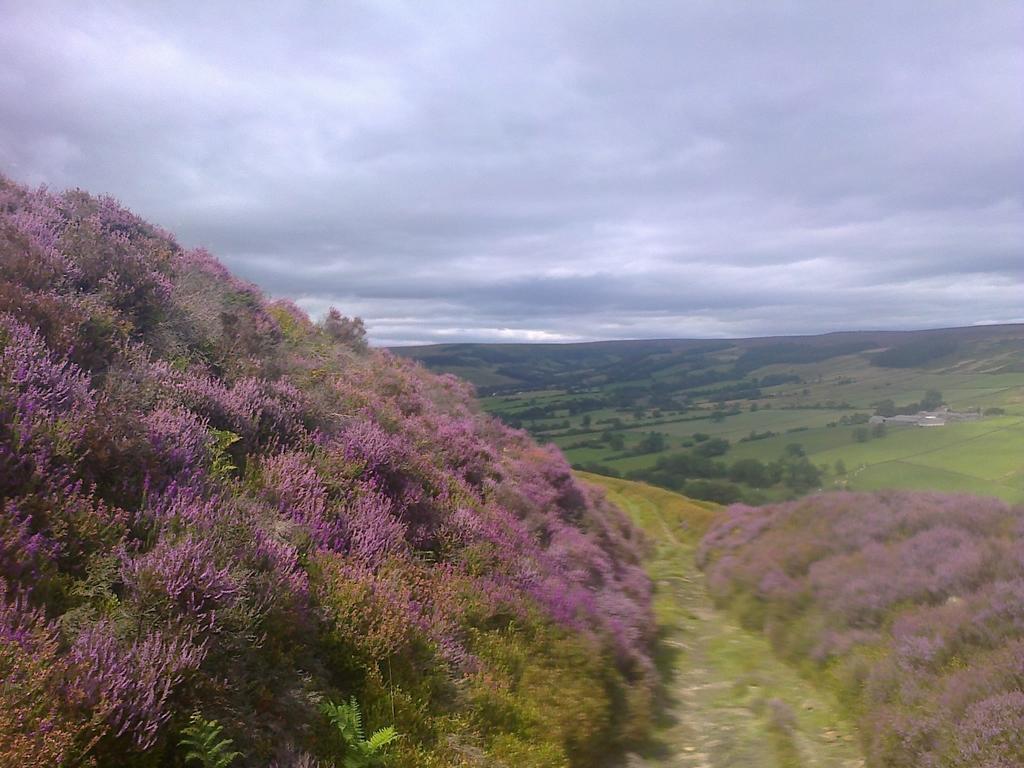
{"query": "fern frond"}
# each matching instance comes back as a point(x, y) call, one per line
point(201, 737)
point(381, 738)
point(360, 752)
point(357, 718)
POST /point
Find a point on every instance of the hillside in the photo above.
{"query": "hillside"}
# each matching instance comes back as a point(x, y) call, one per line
point(762, 420)
point(223, 522)
point(503, 368)
point(909, 605)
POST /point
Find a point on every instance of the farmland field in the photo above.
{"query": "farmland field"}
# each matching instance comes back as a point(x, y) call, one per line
point(798, 406)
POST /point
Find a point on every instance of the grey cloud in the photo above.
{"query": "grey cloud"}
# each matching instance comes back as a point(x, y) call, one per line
point(547, 171)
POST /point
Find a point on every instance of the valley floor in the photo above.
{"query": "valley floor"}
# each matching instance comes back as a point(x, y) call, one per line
point(730, 703)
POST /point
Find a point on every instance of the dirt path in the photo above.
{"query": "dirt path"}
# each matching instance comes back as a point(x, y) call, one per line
point(730, 703)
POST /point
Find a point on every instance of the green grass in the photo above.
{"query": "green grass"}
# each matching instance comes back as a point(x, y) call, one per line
point(720, 679)
point(901, 474)
point(980, 457)
point(985, 458)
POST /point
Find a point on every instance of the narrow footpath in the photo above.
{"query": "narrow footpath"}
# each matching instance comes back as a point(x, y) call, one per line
point(729, 701)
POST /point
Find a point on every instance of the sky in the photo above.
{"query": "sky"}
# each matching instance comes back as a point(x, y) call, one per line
point(552, 170)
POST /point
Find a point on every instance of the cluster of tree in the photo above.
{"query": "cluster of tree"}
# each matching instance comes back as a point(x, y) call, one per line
point(754, 435)
point(720, 413)
point(669, 402)
point(697, 475)
point(932, 399)
point(739, 391)
point(652, 442)
point(828, 405)
point(851, 420)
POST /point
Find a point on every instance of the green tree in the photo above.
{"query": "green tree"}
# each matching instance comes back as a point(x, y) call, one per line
point(716, 446)
point(614, 440)
point(347, 330)
point(652, 442)
point(932, 399)
point(801, 475)
point(885, 408)
point(750, 471)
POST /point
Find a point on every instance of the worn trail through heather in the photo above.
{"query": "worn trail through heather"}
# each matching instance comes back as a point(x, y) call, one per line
point(729, 701)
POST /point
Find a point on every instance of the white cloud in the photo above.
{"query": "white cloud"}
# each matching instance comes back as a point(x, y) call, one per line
point(551, 171)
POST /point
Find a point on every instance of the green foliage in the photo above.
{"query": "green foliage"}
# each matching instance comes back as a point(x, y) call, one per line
point(932, 399)
point(360, 752)
point(221, 465)
point(202, 739)
point(615, 440)
point(715, 446)
point(652, 442)
point(522, 703)
point(750, 471)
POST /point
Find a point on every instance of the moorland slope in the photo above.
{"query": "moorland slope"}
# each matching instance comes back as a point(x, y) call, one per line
point(219, 515)
point(909, 605)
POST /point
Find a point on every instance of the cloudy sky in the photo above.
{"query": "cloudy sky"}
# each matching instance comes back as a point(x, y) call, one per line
point(552, 170)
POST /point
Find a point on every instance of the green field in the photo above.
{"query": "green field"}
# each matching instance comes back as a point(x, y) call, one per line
point(601, 403)
point(728, 702)
point(984, 457)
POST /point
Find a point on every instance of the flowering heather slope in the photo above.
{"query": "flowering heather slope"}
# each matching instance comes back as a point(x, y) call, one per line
point(911, 604)
point(212, 505)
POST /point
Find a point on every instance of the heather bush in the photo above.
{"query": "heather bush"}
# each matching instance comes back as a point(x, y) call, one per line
point(911, 603)
point(209, 503)
point(42, 719)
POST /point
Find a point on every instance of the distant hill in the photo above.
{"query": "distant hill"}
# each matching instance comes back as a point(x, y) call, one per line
point(502, 368)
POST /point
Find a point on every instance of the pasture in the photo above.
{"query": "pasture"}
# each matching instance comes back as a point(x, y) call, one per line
point(623, 408)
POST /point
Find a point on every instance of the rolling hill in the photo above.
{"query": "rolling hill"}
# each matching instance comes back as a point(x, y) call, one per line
point(501, 368)
point(768, 418)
